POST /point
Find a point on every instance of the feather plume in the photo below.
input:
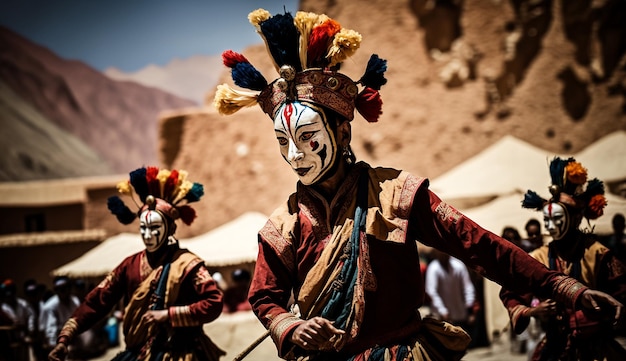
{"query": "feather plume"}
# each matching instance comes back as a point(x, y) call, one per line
point(345, 43)
point(139, 183)
point(532, 200)
point(162, 177)
point(369, 104)
point(228, 100)
point(117, 207)
point(374, 76)
point(282, 39)
point(319, 40)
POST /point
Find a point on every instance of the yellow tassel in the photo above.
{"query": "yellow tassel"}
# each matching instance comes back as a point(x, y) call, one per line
point(183, 189)
point(304, 22)
point(227, 100)
point(345, 44)
point(258, 16)
point(162, 177)
point(124, 187)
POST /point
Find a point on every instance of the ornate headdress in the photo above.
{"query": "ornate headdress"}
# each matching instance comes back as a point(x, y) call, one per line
point(158, 189)
point(306, 50)
point(570, 187)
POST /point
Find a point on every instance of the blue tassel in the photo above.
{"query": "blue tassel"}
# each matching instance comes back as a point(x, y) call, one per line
point(282, 38)
point(246, 76)
point(195, 193)
point(594, 187)
point(557, 167)
point(120, 210)
point(532, 200)
point(139, 183)
point(374, 76)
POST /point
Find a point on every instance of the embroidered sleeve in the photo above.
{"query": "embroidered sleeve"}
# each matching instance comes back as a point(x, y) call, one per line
point(280, 328)
point(208, 304)
point(567, 290)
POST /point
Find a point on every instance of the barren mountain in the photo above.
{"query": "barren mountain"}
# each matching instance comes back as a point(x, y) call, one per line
point(462, 74)
point(117, 120)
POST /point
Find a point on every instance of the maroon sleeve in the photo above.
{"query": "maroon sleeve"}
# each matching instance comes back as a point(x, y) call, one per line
point(439, 225)
point(200, 301)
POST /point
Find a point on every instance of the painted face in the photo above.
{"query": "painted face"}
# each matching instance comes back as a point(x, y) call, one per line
point(556, 219)
point(306, 141)
point(153, 229)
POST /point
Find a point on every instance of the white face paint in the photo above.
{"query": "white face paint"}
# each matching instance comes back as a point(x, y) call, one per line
point(153, 229)
point(306, 141)
point(556, 220)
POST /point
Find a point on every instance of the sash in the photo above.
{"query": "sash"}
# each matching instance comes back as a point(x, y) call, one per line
point(336, 278)
point(137, 332)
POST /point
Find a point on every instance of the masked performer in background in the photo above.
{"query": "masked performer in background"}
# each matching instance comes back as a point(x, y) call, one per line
point(167, 291)
point(571, 334)
point(345, 243)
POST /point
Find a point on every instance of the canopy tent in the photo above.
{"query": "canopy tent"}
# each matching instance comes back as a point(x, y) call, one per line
point(511, 165)
point(606, 158)
point(230, 244)
point(507, 166)
point(101, 259)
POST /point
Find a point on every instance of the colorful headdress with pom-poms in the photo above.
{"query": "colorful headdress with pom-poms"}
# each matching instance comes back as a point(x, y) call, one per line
point(570, 187)
point(169, 192)
point(306, 50)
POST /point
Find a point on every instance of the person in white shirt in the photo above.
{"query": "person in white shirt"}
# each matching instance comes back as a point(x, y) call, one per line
point(451, 290)
point(57, 310)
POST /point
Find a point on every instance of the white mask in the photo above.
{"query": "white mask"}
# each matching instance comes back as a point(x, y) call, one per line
point(153, 229)
point(306, 141)
point(556, 219)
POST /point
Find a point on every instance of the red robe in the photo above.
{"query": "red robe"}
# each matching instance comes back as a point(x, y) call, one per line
point(198, 299)
point(401, 211)
point(571, 334)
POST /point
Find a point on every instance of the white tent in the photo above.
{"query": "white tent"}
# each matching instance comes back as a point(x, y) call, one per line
point(511, 165)
point(606, 158)
point(101, 259)
point(507, 166)
point(230, 244)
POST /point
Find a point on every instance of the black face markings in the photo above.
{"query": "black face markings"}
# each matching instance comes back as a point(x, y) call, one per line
point(322, 154)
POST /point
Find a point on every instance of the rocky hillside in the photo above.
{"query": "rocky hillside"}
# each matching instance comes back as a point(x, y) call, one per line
point(462, 74)
point(62, 116)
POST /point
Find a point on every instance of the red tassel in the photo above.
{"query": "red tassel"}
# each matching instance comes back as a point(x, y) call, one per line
point(369, 104)
point(231, 58)
point(154, 187)
point(319, 40)
point(187, 214)
point(170, 185)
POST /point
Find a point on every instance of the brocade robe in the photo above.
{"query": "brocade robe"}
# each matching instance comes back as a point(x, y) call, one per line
point(571, 334)
point(192, 299)
point(401, 210)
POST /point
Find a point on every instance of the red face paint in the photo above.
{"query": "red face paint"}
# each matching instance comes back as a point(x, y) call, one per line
point(287, 112)
point(550, 209)
point(314, 145)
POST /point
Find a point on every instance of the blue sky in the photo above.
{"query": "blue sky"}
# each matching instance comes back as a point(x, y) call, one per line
point(130, 34)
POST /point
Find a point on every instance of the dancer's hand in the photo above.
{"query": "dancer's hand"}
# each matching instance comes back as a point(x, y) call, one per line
point(599, 301)
point(58, 353)
point(315, 334)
